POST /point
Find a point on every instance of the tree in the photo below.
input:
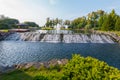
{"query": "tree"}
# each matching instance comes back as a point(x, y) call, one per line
point(31, 24)
point(113, 16)
point(56, 21)
point(52, 22)
point(101, 20)
point(94, 17)
point(100, 13)
point(4, 26)
point(8, 23)
point(47, 22)
point(106, 26)
point(117, 24)
point(108, 21)
point(67, 22)
point(78, 23)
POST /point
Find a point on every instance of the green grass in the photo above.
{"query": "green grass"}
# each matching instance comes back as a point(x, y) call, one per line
point(4, 30)
point(78, 68)
point(47, 28)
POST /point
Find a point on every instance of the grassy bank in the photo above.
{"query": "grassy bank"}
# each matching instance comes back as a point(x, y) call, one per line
point(47, 28)
point(78, 68)
point(5, 30)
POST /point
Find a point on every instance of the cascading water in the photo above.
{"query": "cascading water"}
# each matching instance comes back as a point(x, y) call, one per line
point(65, 38)
point(13, 36)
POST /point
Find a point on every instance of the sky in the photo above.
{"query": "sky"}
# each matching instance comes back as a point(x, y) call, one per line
point(38, 10)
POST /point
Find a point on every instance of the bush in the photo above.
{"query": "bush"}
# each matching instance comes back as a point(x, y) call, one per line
point(80, 68)
point(40, 78)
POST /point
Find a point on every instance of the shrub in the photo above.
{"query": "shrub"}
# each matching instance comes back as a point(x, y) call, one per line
point(40, 78)
point(80, 68)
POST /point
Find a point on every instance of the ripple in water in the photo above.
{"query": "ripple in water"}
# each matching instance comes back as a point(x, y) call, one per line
point(14, 52)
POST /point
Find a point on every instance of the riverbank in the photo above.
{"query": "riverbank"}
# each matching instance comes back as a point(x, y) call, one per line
point(36, 65)
point(78, 68)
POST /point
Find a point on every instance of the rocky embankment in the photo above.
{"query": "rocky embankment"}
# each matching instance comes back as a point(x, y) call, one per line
point(36, 65)
point(3, 35)
point(114, 36)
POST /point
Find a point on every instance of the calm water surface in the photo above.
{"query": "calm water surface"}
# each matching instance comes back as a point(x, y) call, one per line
point(14, 52)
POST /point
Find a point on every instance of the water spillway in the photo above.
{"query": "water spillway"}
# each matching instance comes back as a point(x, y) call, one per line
point(26, 47)
point(65, 38)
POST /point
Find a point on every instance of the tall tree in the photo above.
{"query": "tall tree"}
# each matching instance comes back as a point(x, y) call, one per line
point(113, 16)
point(117, 24)
point(107, 24)
point(108, 21)
point(47, 22)
point(101, 20)
point(100, 13)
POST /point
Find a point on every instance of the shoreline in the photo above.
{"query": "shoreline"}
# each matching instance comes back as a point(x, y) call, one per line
point(37, 65)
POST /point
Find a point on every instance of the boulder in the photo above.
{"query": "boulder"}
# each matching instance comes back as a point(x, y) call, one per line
point(38, 65)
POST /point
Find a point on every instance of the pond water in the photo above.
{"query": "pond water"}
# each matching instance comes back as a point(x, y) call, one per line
point(14, 52)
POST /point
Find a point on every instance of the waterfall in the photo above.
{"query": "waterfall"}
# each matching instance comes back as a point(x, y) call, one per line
point(13, 37)
point(65, 38)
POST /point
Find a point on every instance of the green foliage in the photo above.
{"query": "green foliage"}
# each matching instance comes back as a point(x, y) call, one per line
point(32, 24)
point(47, 28)
point(106, 26)
point(117, 25)
point(91, 19)
point(78, 23)
point(40, 78)
point(101, 20)
point(4, 26)
point(87, 28)
point(4, 30)
point(78, 68)
point(108, 21)
point(52, 22)
point(97, 20)
point(8, 23)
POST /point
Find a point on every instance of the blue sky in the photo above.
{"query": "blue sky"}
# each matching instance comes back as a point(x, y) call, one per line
point(39, 10)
